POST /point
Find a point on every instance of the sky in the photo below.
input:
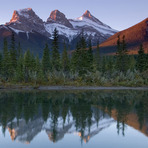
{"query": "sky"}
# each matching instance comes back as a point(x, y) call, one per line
point(118, 14)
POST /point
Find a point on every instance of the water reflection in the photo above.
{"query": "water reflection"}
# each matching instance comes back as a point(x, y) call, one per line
point(82, 113)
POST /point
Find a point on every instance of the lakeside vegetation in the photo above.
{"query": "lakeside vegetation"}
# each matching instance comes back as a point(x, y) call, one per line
point(77, 68)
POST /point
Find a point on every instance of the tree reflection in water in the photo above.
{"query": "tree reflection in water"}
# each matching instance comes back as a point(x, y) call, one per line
point(85, 113)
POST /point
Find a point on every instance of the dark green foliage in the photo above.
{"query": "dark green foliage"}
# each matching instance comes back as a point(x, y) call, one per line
point(132, 62)
point(75, 59)
point(65, 60)
point(97, 58)
point(27, 64)
point(141, 60)
point(20, 69)
point(46, 64)
point(83, 68)
point(6, 60)
point(122, 58)
point(90, 57)
point(82, 58)
point(19, 50)
point(104, 64)
point(13, 54)
point(55, 52)
point(39, 71)
point(1, 66)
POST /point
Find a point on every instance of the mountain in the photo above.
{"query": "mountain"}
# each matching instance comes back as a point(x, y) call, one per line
point(134, 36)
point(33, 32)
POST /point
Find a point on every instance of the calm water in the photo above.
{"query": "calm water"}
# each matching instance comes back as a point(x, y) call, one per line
point(63, 119)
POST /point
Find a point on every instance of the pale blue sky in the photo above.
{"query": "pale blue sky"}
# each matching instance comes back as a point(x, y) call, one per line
point(119, 14)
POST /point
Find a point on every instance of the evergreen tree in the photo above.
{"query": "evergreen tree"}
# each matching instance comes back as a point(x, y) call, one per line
point(19, 50)
point(141, 60)
point(6, 60)
point(97, 57)
point(39, 72)
point(110, 64)
point(65, 59)
point(1, 66)
point(75, 60)
point(132, 62)
point(27, 64)
point(33, 63)
point(55, 52)
point(83, 57)
point(13, 54)
point(46, 65)
point(104, 64)
point(90, 57)
point(122, 58)
point(20, 69)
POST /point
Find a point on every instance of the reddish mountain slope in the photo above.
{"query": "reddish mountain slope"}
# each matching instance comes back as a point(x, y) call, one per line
point(134, 36)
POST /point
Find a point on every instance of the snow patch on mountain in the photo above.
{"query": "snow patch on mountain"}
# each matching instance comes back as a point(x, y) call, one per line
point(62, 30)
point(89, 23)
point(16, 30)
point(24, 12)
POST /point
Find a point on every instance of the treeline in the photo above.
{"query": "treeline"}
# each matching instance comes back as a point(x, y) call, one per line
point(82, 66)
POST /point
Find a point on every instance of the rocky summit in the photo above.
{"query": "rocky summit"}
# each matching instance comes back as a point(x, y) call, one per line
point(33, 32)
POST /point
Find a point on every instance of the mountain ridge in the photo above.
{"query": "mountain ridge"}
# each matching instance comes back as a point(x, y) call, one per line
point(29, 28)
point(134, 36)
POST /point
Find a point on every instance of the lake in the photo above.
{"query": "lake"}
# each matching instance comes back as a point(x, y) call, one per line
point(75, 119)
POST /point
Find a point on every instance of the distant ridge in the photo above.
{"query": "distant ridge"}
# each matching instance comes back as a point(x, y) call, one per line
point(33, 32)
point(134, 36)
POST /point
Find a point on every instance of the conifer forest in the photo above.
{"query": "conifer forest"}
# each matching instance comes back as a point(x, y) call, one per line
point(82, 66)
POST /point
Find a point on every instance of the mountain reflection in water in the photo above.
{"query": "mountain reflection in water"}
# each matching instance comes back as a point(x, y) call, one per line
point(81, 113)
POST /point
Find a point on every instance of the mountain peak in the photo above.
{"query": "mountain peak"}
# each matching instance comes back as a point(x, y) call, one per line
point(58, 17)
point(26, 20)
point(25, 10)
point(18, 14)
point(87, 14)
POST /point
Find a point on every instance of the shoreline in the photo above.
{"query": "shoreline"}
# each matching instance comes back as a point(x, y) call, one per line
point(41, 88)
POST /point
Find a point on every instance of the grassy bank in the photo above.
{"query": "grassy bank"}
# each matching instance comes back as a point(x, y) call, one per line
point(128, 79)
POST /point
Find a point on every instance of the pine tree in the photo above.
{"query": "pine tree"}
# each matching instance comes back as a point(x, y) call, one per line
point(6, 60)
point(83, 57)
point(27, 64)
point(20, 69)
point(13, 54)
point(75, 60)
point(46, 65)
point(19, 50)
point(97, 57)
point(122, 58)
point(39, 71)
point(33, 63)
point(141, 60)
point(90, 57)
point(38, 64)
point(1, 66)
point(110, 64)
point(104, 64)
point(65, 59)
point(132, 62)
point(55, 52)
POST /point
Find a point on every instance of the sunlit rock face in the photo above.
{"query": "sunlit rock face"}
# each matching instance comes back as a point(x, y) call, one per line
point(26, 21)
point(58, 17)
